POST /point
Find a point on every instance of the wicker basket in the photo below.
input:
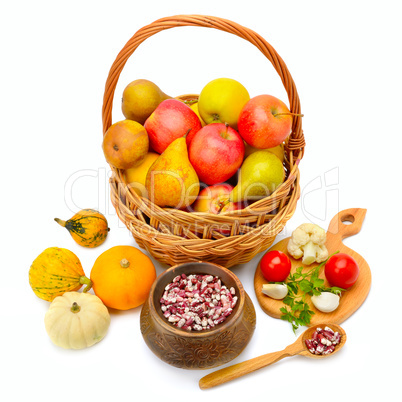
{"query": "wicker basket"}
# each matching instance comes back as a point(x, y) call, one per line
point(173, 236)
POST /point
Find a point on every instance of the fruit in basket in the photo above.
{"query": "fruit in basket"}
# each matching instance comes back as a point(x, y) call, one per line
point(279, 151)
point(260, 174)
point(77, 320)
point(221, 101)
point(265, 122)
point(56, 271)
point(125, 144)
point(87, 227)
point(171, 180)
point(216, 152)
point(122, 277)
point(215, 199)
point(172, 119)
point(194, 106)
point(137, 175)
point(140, 98)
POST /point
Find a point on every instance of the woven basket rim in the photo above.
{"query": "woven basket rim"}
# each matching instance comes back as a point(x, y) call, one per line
point(179, 239)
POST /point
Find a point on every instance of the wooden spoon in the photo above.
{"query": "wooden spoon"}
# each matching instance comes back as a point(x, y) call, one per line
point(297, 348)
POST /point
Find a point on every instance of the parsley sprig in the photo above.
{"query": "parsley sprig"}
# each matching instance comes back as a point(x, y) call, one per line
point(297, 310)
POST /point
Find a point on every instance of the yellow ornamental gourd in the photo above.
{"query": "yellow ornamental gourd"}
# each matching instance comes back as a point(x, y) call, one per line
point(56, 271)
point(87, 227)
point(77, 320)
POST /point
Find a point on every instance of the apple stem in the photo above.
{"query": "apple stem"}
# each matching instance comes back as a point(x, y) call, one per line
point(185, 135)
point(224, 134)
point(222, 204)
point(288, 114)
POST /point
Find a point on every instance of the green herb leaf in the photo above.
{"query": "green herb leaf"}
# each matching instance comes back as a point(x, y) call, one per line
point(305, 285)
point(297, 311)
point(335, 290)
point(298, 305)
point(317, 282)
point(293, 288)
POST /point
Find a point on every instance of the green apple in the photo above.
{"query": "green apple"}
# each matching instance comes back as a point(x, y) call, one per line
point(221, 101)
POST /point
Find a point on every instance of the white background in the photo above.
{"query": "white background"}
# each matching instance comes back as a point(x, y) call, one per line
point(345, 59)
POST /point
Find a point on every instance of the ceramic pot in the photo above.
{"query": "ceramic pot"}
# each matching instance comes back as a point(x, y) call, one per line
point(197, 349)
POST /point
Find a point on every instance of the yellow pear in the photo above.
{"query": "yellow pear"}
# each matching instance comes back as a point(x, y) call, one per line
point(137, 175)
point(171, 180)
point(260, 175)
point(140, 98)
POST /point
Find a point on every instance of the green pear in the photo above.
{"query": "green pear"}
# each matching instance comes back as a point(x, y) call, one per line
point(260, 174)
point(279, 150)
point(140, 98)
point(171, 180)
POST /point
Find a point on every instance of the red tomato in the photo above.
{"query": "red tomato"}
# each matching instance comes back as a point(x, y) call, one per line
point(275, 266)
point(342, 271)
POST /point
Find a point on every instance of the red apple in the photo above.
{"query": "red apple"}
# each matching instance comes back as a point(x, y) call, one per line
point(216, 153)
point(214, 200)
point(172, 119)
point(264, 122)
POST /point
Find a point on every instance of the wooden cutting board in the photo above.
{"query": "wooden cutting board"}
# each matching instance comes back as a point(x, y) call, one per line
point(345, 224)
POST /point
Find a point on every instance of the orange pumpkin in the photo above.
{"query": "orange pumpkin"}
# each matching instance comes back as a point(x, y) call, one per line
point(122, 277)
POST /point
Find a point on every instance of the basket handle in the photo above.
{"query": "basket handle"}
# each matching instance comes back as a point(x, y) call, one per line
point(295, 141)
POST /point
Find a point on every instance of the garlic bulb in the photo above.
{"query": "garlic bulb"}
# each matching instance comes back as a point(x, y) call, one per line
point(275, 290)
point(326, 302)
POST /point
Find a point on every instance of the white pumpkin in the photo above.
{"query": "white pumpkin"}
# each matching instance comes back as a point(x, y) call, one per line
point(77, 320)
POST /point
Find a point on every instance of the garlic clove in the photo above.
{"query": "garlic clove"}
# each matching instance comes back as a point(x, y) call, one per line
point(326, 302)
point(275, 290)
